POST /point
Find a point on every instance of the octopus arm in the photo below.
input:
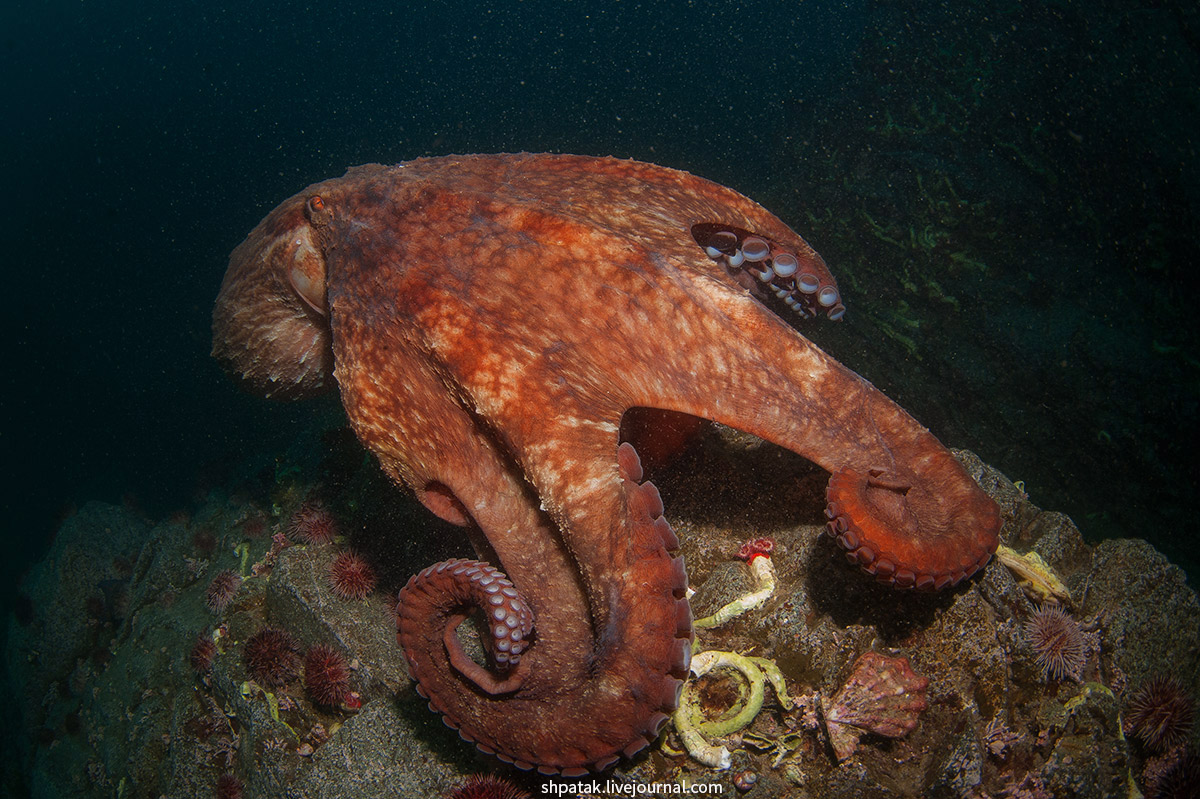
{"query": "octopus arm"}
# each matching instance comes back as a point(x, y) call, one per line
point(610, 633)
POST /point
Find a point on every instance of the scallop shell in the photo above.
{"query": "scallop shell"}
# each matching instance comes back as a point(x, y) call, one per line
point(883, 695)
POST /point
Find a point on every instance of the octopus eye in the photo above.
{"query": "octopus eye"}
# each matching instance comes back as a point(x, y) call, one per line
point(317, 212)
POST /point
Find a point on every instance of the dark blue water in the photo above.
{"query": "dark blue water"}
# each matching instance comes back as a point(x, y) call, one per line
point(1055, 146)
point(142, 143)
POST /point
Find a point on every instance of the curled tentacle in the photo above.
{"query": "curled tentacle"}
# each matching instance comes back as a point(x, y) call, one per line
point(445, 593)
point(552, 687)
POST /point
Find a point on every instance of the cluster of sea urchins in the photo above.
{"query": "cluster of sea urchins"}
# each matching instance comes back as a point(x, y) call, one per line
point(350, 576)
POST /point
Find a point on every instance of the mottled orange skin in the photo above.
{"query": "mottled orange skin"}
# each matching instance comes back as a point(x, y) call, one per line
point(488, 321)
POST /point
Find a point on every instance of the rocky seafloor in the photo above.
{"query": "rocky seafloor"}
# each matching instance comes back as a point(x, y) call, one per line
point(99, 655)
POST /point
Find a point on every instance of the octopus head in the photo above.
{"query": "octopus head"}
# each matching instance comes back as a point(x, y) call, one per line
point(271, 320)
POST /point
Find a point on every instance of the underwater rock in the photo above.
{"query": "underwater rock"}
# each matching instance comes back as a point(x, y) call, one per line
point(134, 712)
point(1151, 615)
point(299, 591)
point(112, 705)
point(1090, 759)
point(78, 594)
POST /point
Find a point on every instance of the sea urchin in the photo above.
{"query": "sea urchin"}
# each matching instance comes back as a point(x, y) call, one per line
point(1057, 642)
point(221, 590)
point(203, 653)
point(487, 786)
point(228, 787)
point(1161, 713)
point(326, 675)
point(271, 657)
point(313, 524)
point(351, 577)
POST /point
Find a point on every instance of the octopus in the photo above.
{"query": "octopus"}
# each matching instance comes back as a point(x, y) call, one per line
point(489, 320)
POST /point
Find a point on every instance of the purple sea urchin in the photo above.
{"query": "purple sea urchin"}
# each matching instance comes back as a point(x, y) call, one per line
point(228, 787)
point(313, 524)
point(1057, 643)
point(326, 675)
point(1161, 713)
point(487, 786)
point(203, 653)
point(351, 577)
point(221, 590)
point(271, 657)
point(1181, 780)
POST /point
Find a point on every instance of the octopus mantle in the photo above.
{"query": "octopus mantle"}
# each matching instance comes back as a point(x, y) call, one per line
point(488, 321)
